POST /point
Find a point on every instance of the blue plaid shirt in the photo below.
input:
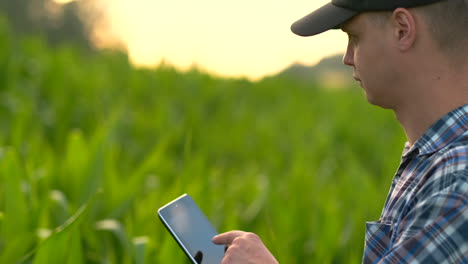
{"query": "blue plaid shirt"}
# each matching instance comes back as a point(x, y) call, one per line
point(425, 217)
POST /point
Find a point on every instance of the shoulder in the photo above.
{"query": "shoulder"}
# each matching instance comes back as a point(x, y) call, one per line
point(449, 168)
point(454, 157)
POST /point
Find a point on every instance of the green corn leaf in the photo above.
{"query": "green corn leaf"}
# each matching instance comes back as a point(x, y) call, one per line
point(140, 246)
point(64, 244)
point(15, 227)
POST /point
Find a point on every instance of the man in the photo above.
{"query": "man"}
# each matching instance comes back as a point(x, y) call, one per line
point(410, 56)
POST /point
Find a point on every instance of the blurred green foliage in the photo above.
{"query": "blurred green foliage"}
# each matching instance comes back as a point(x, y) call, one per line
point(56, 23)
point(91, 147)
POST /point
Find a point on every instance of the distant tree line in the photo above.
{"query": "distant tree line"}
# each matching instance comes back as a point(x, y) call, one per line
point(58, 23)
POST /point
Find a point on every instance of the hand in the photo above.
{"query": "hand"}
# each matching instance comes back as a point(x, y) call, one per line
point(244, 248)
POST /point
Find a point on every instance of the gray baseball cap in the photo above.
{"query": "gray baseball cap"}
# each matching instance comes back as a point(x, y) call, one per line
point(337, 12)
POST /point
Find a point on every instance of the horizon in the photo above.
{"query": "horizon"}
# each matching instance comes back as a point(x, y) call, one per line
point(210, 36)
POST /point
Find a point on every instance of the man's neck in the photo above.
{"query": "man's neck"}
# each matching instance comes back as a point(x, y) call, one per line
point(418, 116)
point(416, 122)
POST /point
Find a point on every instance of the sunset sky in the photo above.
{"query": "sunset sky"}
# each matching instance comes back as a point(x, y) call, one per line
point(230, 38)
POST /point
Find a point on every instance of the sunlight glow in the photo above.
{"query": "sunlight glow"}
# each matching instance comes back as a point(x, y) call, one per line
point(240, 38)
point(62, 2)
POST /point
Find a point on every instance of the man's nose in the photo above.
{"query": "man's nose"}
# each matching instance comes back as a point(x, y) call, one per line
point(348, 57)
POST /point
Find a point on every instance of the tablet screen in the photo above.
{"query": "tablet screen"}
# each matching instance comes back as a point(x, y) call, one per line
point(192, 230)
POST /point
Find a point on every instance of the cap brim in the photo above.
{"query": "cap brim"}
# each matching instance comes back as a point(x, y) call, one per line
point(327, 17)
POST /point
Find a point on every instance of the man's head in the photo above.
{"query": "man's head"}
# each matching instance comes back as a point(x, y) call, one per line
point(447, 19)
point(399, 49)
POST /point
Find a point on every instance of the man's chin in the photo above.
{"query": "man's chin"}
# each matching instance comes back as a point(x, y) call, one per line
point(379, 103)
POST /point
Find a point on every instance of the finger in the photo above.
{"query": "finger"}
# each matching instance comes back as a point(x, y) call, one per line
point(227, 238)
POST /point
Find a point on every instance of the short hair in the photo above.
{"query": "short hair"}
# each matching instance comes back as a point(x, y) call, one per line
point(380, 18)
point(447, 20)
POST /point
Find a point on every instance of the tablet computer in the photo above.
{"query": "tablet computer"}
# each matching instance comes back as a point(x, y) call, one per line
point(192, 230)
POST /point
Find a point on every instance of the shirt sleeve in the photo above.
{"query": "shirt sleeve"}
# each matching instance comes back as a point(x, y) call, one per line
point(435, 230)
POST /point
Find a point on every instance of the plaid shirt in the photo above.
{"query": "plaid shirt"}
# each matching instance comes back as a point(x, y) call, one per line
point(425, 217)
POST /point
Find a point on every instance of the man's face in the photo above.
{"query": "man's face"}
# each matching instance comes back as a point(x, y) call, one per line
point(369, 52)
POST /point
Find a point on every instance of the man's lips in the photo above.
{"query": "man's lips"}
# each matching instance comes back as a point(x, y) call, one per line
point(357, 79)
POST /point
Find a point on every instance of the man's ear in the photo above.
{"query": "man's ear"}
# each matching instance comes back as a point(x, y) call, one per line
point(404, 28)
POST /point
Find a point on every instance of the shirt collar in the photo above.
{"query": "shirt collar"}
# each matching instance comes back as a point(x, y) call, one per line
point(442, 133)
